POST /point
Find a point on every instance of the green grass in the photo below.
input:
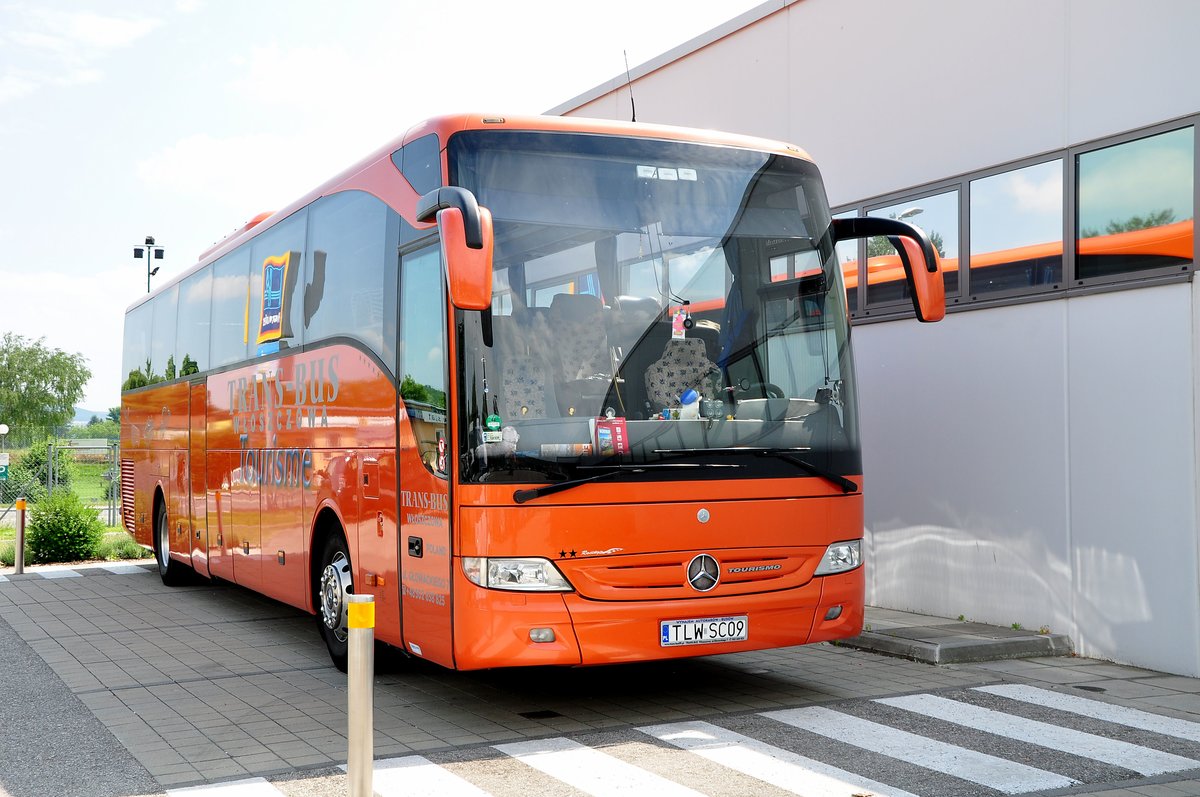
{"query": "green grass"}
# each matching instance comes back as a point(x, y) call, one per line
point(89, 481)
point(116, 545)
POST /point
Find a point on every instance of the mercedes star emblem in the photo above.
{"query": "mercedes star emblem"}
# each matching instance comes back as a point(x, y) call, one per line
point(703, 573)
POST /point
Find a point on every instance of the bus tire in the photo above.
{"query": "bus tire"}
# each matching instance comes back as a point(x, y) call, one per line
point(335, 581)
point(172, 573)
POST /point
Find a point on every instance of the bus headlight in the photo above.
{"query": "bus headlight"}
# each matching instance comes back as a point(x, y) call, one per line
point(531, 574)
point(840, 557)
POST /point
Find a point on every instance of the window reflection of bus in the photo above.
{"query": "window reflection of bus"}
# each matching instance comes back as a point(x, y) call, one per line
point(1027, 267)
point(553, 391)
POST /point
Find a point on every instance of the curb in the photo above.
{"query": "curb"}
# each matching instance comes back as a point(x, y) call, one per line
point(959, 643)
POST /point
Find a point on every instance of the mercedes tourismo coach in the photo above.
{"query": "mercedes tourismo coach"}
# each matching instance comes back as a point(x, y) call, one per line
point(553, 391)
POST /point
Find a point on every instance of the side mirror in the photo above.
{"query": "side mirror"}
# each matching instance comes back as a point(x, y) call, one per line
point(467, 244)
point(922, 266)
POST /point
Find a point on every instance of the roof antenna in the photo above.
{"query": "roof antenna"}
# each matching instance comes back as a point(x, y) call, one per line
point(629, 83)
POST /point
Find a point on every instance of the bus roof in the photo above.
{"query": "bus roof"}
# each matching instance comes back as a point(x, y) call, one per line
point(366, 174)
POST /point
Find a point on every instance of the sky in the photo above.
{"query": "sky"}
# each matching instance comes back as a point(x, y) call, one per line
point(182, 119)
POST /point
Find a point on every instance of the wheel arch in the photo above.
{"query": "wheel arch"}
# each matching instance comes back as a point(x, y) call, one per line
point(327, 522)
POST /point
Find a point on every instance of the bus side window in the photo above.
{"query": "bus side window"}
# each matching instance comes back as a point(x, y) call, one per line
point(423, 348)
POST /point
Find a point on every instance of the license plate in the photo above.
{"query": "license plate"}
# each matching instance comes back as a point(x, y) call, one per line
point(703, 631)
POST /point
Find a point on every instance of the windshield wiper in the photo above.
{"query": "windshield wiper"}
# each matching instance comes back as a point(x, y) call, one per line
point(521, 496)
point(786, 454)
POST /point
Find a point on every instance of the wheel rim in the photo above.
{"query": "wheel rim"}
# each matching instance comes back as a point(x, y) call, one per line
point(335, 585)
point(164, 542)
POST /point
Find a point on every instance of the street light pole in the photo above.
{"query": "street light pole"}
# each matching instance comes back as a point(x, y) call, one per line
point(146, 250)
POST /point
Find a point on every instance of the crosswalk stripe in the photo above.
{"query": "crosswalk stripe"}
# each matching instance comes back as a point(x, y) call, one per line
point(63, 573)
point(591, 771)
point(252, 787)
point(996, 773)
point(782, 768)
point(417, 776)
point(1120, 715)
point(123, 570)
point(1067, 740)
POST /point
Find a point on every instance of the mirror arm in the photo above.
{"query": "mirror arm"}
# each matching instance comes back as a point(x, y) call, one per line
point(453, 197)
point(870, 226)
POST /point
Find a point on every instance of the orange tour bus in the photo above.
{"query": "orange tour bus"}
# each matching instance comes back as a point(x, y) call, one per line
point(531, 384)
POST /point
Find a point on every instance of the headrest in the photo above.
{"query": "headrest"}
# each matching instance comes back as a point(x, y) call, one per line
point(575, 305)
point(640, 307)
point(686, 348)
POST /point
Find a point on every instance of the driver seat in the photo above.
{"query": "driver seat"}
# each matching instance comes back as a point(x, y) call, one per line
point(684, 365)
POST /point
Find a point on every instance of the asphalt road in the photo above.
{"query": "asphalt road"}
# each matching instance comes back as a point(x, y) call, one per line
point(51, 744)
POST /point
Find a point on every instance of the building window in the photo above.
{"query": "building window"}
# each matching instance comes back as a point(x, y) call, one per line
point(937, 215)
point(1134, 209)
point(1016, 223)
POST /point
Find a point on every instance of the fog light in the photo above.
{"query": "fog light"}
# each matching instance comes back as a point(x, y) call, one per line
point(834, 613)
point(541, 634)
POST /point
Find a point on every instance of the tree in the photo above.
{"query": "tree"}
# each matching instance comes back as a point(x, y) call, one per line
point(114, 414)
point(39, 386)
point(878, 246)
point(1156, 218)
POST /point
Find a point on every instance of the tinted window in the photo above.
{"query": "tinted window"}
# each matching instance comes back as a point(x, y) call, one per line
point(420, 162)
point(275, 273)
point(423, 349)
point(1016, 229)
point(162, 345)
point(230, 308)
point(195, 304)
point(937, 215)
point(1135, 205)
point(350, 272)
point(134, 359)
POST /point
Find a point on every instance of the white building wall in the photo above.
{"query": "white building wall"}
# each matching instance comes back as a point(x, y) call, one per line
point(1033, 463)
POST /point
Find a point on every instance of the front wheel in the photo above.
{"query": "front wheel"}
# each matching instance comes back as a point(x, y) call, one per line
point(334, 582)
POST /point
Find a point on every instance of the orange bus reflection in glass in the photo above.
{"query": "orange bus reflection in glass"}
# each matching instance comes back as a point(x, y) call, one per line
point(1102, 255)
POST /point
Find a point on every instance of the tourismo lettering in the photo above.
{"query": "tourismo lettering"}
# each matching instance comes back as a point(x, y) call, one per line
point(274, 467)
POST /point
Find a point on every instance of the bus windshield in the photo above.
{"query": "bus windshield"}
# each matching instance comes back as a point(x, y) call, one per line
point(653, 302)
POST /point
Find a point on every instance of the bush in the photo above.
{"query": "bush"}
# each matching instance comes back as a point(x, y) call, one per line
point(63, 529)
point(8, 554)
point(120, 546)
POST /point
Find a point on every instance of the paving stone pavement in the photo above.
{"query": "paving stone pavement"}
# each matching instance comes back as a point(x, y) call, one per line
point(212, 682)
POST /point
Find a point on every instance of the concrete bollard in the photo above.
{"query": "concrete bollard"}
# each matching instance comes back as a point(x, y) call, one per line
point(360, 676)
point(19, 548)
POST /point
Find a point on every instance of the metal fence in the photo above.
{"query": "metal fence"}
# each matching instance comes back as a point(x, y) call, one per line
point(88, 467)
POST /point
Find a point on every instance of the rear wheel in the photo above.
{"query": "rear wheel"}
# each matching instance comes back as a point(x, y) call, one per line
point(334, 582)
point(172, 573)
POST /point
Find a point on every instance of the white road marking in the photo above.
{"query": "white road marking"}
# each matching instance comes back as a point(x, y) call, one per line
point(59, 573)
point(782, 768)
point(253, 787)
point(592, 771)
point(1098, 748)
point(1120, 715)
point(419, 777)
point(960, 762)
point(123, 570)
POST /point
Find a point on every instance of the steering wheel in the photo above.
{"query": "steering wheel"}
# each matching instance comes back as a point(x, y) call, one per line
point(764, 388)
